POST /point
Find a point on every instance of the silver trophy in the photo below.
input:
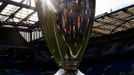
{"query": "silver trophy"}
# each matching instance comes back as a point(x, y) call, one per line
point(67, 26)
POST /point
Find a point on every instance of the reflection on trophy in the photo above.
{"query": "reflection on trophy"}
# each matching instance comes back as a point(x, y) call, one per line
point(66, 25)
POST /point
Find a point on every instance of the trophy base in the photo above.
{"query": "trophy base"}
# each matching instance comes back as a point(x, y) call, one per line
point(62, 72)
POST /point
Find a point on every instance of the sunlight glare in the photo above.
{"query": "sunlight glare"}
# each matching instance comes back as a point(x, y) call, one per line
point(48, 4)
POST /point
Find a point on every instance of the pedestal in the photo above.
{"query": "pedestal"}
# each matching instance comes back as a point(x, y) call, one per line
point(62, 72)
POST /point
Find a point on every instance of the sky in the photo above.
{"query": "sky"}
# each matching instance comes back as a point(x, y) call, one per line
point(103, 6)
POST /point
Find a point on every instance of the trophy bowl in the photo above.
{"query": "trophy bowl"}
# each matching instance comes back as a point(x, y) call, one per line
point(66, 26)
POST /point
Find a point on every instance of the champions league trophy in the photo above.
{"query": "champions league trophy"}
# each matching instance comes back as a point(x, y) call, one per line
point(66, 25)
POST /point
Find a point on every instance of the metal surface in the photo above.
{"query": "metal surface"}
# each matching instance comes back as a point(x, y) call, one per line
point(67, 26)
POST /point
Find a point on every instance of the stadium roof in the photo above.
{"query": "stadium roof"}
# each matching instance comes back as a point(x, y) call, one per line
point(22, 15)
point(115, 21)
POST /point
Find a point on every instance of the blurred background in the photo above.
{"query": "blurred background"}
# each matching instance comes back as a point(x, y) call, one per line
point(23, 50)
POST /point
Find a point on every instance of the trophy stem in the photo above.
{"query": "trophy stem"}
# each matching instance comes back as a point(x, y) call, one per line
point(70, 72)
